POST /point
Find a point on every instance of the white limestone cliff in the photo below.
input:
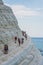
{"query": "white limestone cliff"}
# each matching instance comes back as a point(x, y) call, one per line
point(26, 53)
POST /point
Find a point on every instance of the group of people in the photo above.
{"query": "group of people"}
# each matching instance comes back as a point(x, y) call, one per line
point(16, 39)
point(20, 40)
point(24, 34)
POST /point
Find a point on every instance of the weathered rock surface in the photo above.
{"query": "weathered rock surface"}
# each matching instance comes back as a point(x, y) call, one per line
point(26, 53)
point(8, 23)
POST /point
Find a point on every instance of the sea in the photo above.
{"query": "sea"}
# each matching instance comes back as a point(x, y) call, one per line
point(38, 42)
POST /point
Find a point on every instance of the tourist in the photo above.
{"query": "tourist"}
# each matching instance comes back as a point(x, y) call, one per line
point(15, 39)
point(5, 49)
point(22, 40)
point(26, 36)
point(19, 41)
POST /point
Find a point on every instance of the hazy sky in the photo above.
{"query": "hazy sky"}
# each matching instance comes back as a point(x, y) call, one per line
point(29, 14)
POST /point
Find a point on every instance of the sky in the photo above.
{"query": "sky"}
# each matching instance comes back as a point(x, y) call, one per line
point(29, 14)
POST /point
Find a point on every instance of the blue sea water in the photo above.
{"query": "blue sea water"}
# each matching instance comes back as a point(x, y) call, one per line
point(38, 43)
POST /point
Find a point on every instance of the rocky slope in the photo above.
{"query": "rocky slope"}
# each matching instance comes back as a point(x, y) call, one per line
point(26, 53)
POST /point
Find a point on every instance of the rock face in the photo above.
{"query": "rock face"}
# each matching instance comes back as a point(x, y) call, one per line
point(26, 53)
point(8, 23)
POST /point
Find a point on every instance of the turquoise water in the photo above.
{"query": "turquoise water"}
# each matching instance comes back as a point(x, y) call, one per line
point(38, 43)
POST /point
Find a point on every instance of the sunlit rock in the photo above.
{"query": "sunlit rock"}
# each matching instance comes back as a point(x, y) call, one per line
point(12, 50)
